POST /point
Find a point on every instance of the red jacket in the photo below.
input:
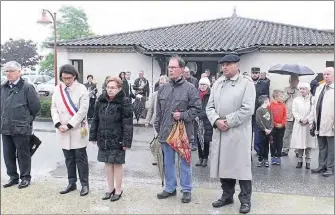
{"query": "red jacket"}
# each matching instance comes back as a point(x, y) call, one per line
point(279, 113)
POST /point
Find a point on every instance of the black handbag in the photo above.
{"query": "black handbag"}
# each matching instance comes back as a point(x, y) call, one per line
point(312, 130)
point(34, 143)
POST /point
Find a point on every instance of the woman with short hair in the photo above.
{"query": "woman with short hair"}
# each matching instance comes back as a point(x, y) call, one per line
point(302, 140)
point(112, 130)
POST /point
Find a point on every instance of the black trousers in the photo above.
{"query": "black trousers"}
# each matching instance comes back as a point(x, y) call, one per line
point(76, 158)
point(91, 108)
point(13, 146)
point(203, 153)
point(277, 145)
point(228, 187)
point(264, 146)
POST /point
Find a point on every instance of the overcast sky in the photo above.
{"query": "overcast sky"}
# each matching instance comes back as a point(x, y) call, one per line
point(18, 19)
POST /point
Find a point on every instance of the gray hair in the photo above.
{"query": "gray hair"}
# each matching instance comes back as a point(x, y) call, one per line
point(304, 85)
point(164, 77)
point(12, 65)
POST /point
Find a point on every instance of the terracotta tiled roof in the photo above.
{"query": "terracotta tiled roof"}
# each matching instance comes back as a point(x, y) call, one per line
point(225, 34)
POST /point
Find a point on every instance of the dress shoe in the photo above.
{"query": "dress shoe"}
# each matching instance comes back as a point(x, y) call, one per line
point(222, 202)
point(69, 188)
point(154, 163)
point(108, 195)
point(199, 163)
point(186, 198)
point(11, 182)
point(299, 165)
point(84, 191)
point(328, 173)
point(24, 184)
point(245, 208)
point(116, 197)
point(319, 170)
point(164, 194)
point(204, 163)
point(308, 165)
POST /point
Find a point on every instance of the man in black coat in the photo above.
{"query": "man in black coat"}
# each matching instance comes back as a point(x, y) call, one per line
point(19, 106)
point(93, 90)
point(262, 88)
point(141, 87)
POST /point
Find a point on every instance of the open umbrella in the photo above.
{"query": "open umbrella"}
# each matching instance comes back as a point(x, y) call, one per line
point(156, 150)
point(291, 69)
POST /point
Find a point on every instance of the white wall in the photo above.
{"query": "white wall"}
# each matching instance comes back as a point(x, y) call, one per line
point(315, 61)
point(101, 65)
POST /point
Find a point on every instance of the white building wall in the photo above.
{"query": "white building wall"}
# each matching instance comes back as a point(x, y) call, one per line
point(101, 65)
point(315, 61)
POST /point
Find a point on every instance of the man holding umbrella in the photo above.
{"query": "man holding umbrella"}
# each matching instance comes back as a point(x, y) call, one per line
point(230, 109)
point(19, 106)
point(176, 101)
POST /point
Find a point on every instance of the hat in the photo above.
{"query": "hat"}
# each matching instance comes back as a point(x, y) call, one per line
point(255, 69)
point(231, 58)
point(12, 65)
point(205, 80)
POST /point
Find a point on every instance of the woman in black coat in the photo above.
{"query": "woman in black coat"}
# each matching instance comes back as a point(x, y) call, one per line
point(112, 129)
point(204, 93)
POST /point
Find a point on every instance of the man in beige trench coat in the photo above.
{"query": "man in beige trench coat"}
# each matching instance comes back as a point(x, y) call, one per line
point(229, 109)
point(70, 120)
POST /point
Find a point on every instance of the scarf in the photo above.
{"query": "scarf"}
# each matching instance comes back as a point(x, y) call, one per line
point(202, 94)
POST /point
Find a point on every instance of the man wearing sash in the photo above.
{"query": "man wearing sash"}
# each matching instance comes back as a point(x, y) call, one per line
point(70, 103)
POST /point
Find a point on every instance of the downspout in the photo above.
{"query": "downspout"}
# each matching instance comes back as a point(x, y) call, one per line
point(152, 74)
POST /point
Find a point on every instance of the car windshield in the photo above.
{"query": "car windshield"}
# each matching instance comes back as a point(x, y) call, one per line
point(29, 78)
point(52, 81)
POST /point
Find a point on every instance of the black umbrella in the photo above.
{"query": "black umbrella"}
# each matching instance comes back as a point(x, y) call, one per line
point(291, 69)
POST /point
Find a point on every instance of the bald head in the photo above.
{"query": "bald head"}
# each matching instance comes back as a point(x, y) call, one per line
point(328, 75)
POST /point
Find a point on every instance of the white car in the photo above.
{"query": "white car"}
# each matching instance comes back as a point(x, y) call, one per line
point(46, 89)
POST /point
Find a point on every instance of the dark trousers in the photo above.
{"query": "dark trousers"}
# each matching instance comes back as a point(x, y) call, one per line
point(91, 108)
point(277, 144)
point(203, 153)
point(256, 138)
point(326, 152)
point(17, 146)
point(228, 187)
point(264, 147)
point(76, 158)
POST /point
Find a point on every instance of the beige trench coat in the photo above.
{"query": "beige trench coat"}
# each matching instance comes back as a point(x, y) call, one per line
point(327, 114)
point(302, 109)
point(72, 138)
point(230, 151)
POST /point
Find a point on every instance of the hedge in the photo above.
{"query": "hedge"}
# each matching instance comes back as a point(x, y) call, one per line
point(45, 107)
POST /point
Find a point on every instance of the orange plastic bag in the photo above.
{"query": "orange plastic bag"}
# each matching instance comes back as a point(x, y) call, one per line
point(178, 140)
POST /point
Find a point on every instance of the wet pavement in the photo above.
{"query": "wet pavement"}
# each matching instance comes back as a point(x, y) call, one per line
point(293, 190)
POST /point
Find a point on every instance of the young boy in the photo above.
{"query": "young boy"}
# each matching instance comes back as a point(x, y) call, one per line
point(264, 123)
point(279, 114)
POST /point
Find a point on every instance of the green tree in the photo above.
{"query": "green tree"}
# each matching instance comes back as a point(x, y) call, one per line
point(72, 23)
point(22, 51)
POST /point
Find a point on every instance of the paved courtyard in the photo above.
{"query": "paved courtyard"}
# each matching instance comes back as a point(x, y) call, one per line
point(278, 189)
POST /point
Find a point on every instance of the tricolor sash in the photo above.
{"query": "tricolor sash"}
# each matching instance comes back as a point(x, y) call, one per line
point(69, 105)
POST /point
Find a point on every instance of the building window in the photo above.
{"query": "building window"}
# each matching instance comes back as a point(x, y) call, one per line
point(78, 64)
point(329, 63)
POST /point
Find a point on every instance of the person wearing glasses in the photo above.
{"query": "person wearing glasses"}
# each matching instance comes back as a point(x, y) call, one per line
point(19, 106)
point(69, 107)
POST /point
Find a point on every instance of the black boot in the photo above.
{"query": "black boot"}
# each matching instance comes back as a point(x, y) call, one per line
point(199, 163)
point(245, 208)
point(204, 163)
point(308, 165)
point(299, 165)
point(69, 188)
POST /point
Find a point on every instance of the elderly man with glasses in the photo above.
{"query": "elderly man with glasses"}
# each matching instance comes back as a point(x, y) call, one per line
point(19, 106)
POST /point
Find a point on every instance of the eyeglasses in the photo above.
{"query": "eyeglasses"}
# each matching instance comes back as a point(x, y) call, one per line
point(10, 71)
point(67, 78)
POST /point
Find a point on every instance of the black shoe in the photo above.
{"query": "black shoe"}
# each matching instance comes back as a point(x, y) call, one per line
point(319, 170)
point(299, 165)
point(108, 195)
point(154, 163)
point(204, 163)
point(245, 208)
point(116, 197)
point(24, 184)
point(199, 163)
point(284, 154)
point(164, 194)
point(11, 182)
point(186, 197)
point(69, 188)
point(84, 191)
point(297, 154)
point(222, 202)
point(328, 173)
point(308, 165)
